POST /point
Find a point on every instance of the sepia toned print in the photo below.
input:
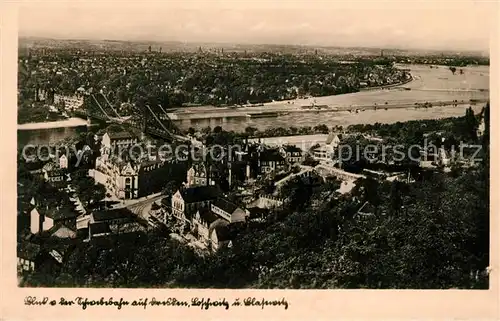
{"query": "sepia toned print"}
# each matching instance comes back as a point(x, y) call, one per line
point(256, 153)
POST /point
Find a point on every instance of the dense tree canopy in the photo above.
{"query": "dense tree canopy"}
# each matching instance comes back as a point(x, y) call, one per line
point(172, 80)
point(430, 234)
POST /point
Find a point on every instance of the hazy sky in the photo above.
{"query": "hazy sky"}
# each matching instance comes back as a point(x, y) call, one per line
point(460, 24)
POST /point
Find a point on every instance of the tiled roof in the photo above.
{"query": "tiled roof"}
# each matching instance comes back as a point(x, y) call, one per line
point(64, 232)
point(99, 228)
point(221, 230)
point(58, 214)
point(120, 135)
point(330, 138)
point(199, 194)
point(225, 205)
point(207, 216)
point(271, 155)
point(121, 213)
point(223, 233)
point(149, 163)
point(292, 149)
point(257, 212)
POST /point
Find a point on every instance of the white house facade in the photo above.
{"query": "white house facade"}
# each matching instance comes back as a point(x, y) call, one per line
point(39, 222)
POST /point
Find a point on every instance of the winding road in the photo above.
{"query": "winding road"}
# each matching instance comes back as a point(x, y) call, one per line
point(142, 208)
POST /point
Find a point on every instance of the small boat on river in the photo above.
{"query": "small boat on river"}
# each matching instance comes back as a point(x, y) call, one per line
point(263, 115)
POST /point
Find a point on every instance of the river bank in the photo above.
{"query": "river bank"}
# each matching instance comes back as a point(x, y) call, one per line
point(70, 122)
point(179, 112)
point(302, 141)
point(337, 118)
point(426, 84)
point(294, 109)
point(406, 81)
point(429, 85)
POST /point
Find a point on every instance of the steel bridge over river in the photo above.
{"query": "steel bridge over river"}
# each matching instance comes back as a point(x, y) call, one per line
point(151, 120)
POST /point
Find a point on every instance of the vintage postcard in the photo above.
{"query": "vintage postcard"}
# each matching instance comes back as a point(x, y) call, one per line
point(249, 160)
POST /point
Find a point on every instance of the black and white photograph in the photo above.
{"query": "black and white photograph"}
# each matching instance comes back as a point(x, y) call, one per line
point(171, 146)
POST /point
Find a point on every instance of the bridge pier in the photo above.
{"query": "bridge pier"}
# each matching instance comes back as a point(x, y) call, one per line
point(93, 121)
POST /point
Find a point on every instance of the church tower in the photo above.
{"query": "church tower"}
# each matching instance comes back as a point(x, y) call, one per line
point(190, 181)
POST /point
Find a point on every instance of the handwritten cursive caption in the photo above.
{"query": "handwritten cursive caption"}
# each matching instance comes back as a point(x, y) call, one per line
point(200, 303)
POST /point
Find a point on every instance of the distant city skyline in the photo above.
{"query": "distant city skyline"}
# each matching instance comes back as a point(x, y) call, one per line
point(439, 25)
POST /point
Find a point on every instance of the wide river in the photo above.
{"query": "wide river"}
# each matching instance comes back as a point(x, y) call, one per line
point(432, 85)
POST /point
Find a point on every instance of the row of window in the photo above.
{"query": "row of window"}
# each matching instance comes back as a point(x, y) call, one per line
point(25, 265)
point(150, 168)
point(200, 181)
point(56, 178)
point(178, 205)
